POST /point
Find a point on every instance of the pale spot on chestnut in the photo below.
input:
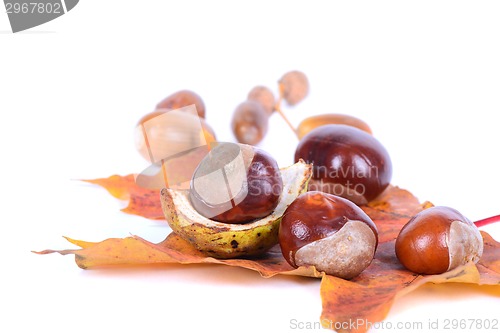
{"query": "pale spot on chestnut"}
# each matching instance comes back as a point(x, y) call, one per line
point(437, 240)
point(328, 232)
point(465, 245)
point(344, 254)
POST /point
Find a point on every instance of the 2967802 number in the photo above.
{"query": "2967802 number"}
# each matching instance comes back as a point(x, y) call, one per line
point(478, 324)
point(33, 7)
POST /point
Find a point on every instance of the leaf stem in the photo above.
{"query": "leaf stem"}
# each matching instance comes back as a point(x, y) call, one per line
point(488, 220)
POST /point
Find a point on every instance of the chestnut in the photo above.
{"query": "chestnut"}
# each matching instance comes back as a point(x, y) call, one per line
point(264, 96)
point(170, 132)
point(183, 98)
point(250, 122)
point(328, 232)
point(294, 86)
point(347, 162)
point(437, 240)
point(310, 123)
point(236, 183)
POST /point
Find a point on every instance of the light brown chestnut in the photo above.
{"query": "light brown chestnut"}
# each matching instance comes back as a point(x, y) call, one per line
point(181, 99)
point(250, 122)
point(437, 240)
point(295, 86)
point(264, 96)
point(310, 123)
point(170, 133)
point(328, 232)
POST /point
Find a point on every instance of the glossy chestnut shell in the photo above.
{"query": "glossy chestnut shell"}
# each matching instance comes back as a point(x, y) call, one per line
point(328, 232)
point(348, 162)
point(236, 183)
point(437, 240)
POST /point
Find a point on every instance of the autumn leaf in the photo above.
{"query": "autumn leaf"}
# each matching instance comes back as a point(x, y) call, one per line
point(364, 299)
point(369, 297)
point(135, 250)
point(141, 201)
point(391, 210)
point(145, 200)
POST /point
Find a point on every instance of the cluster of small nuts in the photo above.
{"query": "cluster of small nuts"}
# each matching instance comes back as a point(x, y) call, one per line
point(250, 118)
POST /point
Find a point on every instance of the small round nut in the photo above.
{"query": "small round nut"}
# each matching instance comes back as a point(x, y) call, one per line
point(295, 87)
point(264, 96)
point(437, 240)
point(181, 99)
point(170, 133)
point(328, 232)
point(250, 123)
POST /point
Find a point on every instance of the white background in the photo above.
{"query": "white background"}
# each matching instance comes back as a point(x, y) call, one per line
point(425, 75)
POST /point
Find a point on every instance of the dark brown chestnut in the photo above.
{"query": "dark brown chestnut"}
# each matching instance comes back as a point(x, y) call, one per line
point(348, 162)
point(181, 99)
point(236, 183)
point(328, 232)
point(437, 240)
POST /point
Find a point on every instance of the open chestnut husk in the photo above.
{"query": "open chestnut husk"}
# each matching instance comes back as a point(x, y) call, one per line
point(437, 240)
point(347, 162)
point(328, 232)
point(223, 240)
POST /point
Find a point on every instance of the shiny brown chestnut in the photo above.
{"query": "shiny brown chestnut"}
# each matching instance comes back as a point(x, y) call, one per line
point(348, 162)
point(236, 183)
point(328, 232)
point(437, 240)
point(181, 99)
point(250, 122)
